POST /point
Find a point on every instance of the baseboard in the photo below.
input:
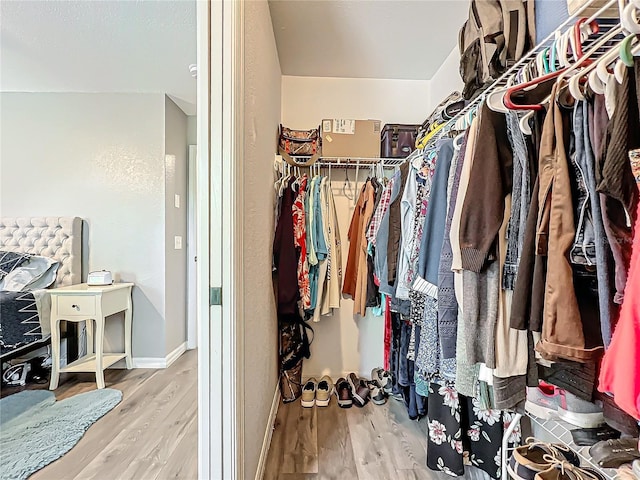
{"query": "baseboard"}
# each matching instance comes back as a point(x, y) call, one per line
point(160, 362)
point(175, 354)
point(266, 443)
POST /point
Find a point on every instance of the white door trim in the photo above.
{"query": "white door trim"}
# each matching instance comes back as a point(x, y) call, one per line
point(232, 241)
point(209, 433)
point(219, 239)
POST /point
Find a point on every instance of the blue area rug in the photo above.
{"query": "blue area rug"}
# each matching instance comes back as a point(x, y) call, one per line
point(35, 430)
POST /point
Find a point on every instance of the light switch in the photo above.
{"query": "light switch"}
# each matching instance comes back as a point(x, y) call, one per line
point(177, 201)
point(178, 242)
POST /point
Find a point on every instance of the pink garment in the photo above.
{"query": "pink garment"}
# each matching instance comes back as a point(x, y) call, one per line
point(620, 371)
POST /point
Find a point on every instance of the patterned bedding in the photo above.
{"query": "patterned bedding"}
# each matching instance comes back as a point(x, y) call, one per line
point(19, 321)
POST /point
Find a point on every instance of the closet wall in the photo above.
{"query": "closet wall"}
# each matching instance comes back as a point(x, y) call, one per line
point(343, 343)
point(261, 118)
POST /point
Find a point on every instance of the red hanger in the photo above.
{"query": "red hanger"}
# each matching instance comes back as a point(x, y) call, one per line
point(508, 102)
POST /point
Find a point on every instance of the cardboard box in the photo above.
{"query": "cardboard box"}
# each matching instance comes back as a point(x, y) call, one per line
point(351, 138)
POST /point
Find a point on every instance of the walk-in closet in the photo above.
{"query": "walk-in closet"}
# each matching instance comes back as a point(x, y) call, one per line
point(441, 248)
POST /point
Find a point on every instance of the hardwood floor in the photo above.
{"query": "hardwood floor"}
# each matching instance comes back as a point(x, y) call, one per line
point(372, 443)
point(151, 434)
point(375, 442)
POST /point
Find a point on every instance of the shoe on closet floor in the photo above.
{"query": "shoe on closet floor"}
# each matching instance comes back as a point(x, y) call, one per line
point(324, 391)
point(359, 390)
point(378, 396)
point(343, 393)
point(382, 379)
point(535, 457)
point(308, 399)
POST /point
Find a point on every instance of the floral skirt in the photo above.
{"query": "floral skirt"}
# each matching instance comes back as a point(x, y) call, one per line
point(461, 433)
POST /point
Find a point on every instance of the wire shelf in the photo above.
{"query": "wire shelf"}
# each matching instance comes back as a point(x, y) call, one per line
point(352, 162)
point(561, 431)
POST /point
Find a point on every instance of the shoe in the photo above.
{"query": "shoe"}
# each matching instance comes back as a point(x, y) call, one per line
point(636, 468)
point(613, 453)
point(543, 401)
point(378, 396)
point(579, 412)
point(343, 393)
point(625, 472)
point(568, 471)
point(359, 390)
point(308, 399)
point(535, 457)
point(324, 391)
point(547, 401)
point(382, 379)
point(586, 437)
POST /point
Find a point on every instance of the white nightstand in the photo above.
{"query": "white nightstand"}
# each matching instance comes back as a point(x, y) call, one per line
point(78, 303)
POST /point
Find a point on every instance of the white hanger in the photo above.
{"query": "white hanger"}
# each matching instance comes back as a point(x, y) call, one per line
point(629, 19)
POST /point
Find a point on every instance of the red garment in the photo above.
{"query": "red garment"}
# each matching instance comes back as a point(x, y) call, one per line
point(620, 371)
point(300, 241)
point(387, 333)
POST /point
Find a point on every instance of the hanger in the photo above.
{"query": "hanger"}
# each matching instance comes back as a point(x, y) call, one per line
point(628, 18)
point(587, 64)
point(347, 183)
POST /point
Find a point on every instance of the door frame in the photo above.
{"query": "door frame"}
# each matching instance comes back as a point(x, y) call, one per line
point(220, 126)
point(192, 222)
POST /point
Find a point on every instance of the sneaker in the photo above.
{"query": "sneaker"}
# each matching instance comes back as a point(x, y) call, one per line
point(343, 393)
point(324, 391)
point(308, 399)
point(535, 457)
point(378, 396)
point(543, 401)
point(579, 412)
point(382, 379)
point(359, 390)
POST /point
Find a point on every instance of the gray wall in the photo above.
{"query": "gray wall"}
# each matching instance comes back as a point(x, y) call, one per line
point(261, 116)
point(192, 122)
point(99, 157)
point(175, 141)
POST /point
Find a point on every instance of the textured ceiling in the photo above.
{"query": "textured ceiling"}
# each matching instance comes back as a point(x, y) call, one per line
point(394, 39)
point(99, 46)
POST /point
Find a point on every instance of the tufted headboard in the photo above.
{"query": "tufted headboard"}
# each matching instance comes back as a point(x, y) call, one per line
point(59, 238)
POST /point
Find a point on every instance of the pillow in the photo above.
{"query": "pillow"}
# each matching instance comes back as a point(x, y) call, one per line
point(9, 261)
point(36, 273)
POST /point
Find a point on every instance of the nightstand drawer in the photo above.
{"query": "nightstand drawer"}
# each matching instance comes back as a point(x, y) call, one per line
point(80, 305)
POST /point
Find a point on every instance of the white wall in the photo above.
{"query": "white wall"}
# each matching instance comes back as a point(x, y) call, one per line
point(447, 79)
point(261, 118)
point(307, 100)
point(175, 141)
point(99, 157)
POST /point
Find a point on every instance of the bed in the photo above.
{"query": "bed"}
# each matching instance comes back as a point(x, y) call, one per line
point(25, 315)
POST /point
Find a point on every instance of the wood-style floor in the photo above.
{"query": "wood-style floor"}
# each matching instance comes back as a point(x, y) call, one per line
point(374, 442)
point(151, 434)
